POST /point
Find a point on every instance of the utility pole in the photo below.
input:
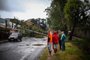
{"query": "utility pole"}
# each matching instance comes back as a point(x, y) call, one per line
point(5, 23)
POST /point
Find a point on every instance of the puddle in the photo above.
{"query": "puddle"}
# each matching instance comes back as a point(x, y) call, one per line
point(21, 45)
point(27, 44)
point(37, 44)
point(24, 45)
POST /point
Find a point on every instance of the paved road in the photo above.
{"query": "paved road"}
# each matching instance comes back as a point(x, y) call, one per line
point(28, 49)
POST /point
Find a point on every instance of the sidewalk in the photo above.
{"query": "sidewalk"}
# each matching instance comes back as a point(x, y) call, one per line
point(3, 41)
point(72, 52)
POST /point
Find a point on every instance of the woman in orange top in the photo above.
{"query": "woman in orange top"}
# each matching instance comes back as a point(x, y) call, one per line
point(49, 42)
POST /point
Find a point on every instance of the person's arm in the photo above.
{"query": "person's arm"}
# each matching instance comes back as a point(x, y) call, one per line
point(48, 39)
point(61, 37)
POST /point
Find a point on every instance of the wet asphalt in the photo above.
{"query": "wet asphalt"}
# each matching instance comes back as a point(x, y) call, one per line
point(28, 49)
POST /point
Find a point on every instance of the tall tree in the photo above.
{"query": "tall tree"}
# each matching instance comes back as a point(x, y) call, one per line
point(55, 14)
point(71, 16)
point(75, 14)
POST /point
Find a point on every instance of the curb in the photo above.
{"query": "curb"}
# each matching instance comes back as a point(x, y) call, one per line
point(3, 41)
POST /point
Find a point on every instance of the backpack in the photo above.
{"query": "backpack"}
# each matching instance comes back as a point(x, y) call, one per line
point(63, 37)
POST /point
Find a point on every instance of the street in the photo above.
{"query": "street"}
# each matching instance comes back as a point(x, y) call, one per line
point(28, 49)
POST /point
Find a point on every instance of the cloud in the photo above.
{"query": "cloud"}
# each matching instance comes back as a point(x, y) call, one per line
point(33, 10)
point(24, 9)
point(2, 6)
point(17, 5)
point(11, 5)
point(6, 14)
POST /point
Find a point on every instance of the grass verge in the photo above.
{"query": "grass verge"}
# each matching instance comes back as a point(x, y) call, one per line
point(72, 52)
point(44, 54)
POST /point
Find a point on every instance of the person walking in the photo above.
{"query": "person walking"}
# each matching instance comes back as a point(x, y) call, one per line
point(63, 38)
point(59, 34)
point(49, 42)
point(55, 41)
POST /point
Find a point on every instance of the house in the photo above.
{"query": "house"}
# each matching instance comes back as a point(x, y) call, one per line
point(2, 22)
point(6, 23)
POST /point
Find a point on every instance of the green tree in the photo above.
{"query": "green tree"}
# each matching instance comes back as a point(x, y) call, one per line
point(71, 14)
point(55, 14)
point(75, 14)
point(16, 21)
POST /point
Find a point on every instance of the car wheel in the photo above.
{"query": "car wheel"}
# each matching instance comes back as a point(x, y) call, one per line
point(15, 40)
point(20, 39)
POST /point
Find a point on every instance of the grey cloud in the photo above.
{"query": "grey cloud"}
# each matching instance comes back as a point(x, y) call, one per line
point(2, 5)
point(17, 5)
point(11, 5)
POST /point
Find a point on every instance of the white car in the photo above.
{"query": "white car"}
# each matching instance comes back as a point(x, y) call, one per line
point(15, 36)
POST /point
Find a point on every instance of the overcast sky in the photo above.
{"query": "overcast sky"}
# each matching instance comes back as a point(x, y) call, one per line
point(23, 9)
